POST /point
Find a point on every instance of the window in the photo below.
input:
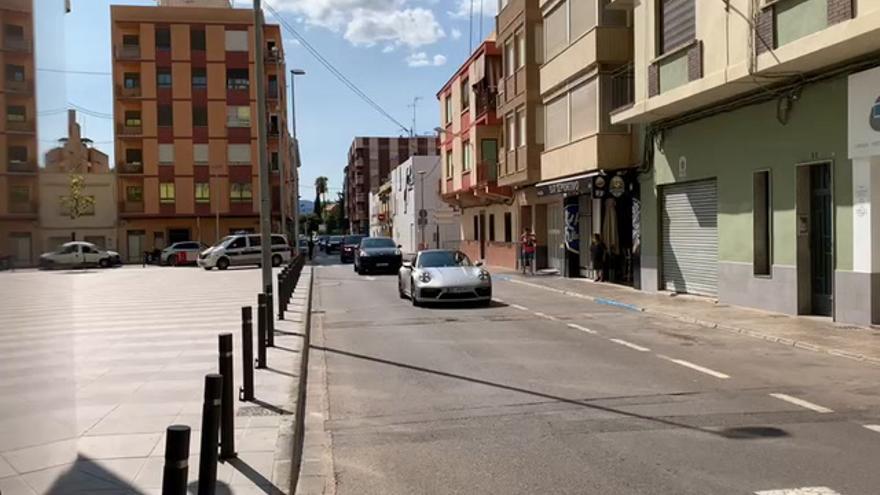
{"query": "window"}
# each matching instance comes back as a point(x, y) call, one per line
point(236, 41)
point(17, 154)
point(130, 40)
point(762, 223)
point(556, 122)
point(465, 94)
point(132, 118)
point(240, 191)
point(163, 39)
point(677, 24)
point(14, 73)
point(509, 58)
point(200, 116)
point(197, 40)
point(203, 192)
point(583, 17)
point(511, 133)
point(199, 78)
point(166, 154)
point(476, 228)
point(584, 111)
point(795, 19)
point(19, 194)
point(166, 192)
point(508, 227)
point(520, 50)
point(14, 31)
point(448, 115)
point(273, 161)
point(556, 31)
point(165, 116)
point(163, 78)
point(502, 4)
point(238, 116)
point(273, 87)
point(15, 113)
point(134, 156)
point(521, 126)
point(237, 79)
point(200, 153)
point(131, 80)
point(238, 243)
point(466, 156)
point(239, 153)
point(492, 228)
point(134, 194)
point(450, 166)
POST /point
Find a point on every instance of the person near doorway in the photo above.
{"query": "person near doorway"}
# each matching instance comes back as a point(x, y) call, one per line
point(528, 244)
point(597, 256)
point(311, 247)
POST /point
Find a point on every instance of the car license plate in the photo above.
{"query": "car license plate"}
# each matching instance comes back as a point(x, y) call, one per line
point(381, 264)
point(459, 290)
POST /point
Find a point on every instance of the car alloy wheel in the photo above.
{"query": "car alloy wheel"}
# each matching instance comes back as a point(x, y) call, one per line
point(412, 293)
point(222, 264)
point(104, 263)
point(172, 260)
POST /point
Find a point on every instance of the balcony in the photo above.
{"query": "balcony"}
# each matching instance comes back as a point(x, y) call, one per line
point(20, 127)
point(128, 92)
point(24, 87)
point(359, 180)
point(17, 44)
point(622, 87)
point(23, 208)
point(129, 52)
point(131, 207)
point(478, 187)
point(25, 167)
point(129, 130)
point(360, 197)
point(130, 168)
point(486, 103)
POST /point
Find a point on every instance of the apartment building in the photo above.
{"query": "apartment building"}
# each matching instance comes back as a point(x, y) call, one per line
point(585, 172)
point(471, 136)
point(370, 160)
point(414, 187)
point(762, 152)
point(186, 123)
point(19, 196)
point(96, 223)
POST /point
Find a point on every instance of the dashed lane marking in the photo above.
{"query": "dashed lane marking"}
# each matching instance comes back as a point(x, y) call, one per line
point(802, 403)
point(582, 329)
point(544, 315)
point(808, 490)
point(630, 345)
point(517, 306)
point(874, 428)
point(697, 367)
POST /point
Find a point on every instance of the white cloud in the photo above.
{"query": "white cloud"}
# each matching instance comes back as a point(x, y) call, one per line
point(462, 8)
point(455, 33)
point(388, 49)
point(421, 59)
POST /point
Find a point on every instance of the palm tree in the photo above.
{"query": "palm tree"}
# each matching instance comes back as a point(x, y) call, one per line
point(320, 193)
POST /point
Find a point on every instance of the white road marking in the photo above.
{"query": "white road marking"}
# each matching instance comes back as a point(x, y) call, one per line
point(697, 367)
point(874, 428)
point(500, 301)
point(517, 306)
point(543, 315)
point(582, 329)
point(808, 490)
point(630, 345)
point(371, 278)
point(802, 403)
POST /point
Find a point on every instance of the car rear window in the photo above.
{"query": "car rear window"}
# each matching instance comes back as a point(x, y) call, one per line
point(378, 243)
point(352, 239)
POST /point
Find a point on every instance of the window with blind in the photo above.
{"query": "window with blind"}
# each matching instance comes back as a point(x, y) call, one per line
point(677, 24)
point(509, 58)
point(521, 49)
point(466, 157)
point(200, 153)
point(583, 17)
point(584, 111)
point(239, 153)
point(556, 122)
point(511, 133)
point(240, 192)
point(450, 168)
point(521, 127)
point(166, 154)
point(556, 31)
point(236, 41)
point(238, 116)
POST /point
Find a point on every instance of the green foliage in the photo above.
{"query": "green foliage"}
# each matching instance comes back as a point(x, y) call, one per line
point(77, 203)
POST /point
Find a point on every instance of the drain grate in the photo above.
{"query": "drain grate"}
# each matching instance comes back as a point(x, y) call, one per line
point(261, 411)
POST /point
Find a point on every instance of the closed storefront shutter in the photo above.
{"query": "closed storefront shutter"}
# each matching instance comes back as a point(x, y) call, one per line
point(690, 238)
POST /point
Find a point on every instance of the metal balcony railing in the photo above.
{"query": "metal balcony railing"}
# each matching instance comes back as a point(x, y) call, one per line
point(128, 52)
point(487, 172)
point(19, 86)
point(130, 130)
point(130, 168)
point(131, 207)
point(23, 207)
point(129, 92)
point(16, 44)
point(21, 167)
point(622, 87)
point(19, 126)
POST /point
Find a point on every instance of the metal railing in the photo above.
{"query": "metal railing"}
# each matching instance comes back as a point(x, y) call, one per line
point(24, 207)
point(129, 92)
point(130, 168)
point(131, 206)
point(129, 52)
point(130, 130)
point(19, 126)
point(19, 86)
point(622, 87)
point(17, 44)
point(21, 167)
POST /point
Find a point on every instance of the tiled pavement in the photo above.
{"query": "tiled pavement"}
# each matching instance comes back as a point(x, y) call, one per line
point(94, 365)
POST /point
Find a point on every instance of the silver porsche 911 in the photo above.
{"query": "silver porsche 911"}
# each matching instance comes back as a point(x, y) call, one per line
point(444, 276)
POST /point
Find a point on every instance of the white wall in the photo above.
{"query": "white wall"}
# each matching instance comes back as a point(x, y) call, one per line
point(407, 199)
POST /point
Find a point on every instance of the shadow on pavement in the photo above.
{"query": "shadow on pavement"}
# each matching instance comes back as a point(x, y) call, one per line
point(88, 476)
point(280, 372)
point(744, 433)
point(272, 407)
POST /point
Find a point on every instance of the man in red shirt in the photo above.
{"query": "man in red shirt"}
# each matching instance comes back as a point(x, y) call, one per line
point(528, 244)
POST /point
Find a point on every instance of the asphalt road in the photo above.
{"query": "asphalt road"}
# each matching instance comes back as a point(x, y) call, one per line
point(543, 393)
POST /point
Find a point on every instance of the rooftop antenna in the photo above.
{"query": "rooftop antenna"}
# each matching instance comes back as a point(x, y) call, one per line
point(414, 106)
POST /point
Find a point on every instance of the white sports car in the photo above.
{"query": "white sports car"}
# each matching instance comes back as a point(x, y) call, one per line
point(444, 276)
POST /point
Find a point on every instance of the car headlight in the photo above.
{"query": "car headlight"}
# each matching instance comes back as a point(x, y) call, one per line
point(425, 277)
point(484, 275)
point(397, 252)
point(363, 253)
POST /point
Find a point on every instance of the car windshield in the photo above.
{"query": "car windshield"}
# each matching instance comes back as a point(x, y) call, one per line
point(226, 240)
point(352, 239)
point(441, 259)
point(378, 243)
point(336, 238)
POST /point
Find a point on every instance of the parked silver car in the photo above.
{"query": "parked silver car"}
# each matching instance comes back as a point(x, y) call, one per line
point(444, 276)
point(79, 254)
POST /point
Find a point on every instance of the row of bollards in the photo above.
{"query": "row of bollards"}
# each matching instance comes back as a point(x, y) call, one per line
point(218, 412)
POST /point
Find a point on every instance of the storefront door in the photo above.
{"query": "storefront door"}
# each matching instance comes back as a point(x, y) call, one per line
point(556, 238)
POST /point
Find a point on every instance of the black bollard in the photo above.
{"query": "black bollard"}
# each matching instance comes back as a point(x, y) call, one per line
point(247, 355)
point(227, 411)
point(174, 474)
point(281, 290)
point(270, 318)
point(261, 331)
point(210, 431)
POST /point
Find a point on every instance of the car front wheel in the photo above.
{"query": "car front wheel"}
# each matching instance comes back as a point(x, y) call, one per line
point(222, 264)
point(412, 293)
point(104, 263)
point(172, 260)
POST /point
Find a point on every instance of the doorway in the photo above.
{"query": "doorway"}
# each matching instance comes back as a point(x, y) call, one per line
point(815, 256)
point(135, 245)
point(21, 249)
point(556, 238)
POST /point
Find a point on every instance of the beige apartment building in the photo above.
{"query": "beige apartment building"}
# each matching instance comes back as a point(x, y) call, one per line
point(97, 224)
point(762, 152)
point(19, 195)
point(186, 123)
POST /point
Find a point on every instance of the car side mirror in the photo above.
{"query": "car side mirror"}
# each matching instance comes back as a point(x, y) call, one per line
point(479, 263)
point(407, 265)
point(400, 246)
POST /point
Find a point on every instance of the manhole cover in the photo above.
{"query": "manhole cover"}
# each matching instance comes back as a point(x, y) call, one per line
point(260, 411)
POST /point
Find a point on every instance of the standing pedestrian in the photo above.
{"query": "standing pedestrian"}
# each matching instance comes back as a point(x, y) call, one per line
point(597, 256)
point(528, 244)
point(311, 246)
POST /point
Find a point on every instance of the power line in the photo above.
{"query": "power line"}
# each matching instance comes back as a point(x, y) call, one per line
point(333, 70)
point(91, 113)
point(79, 72)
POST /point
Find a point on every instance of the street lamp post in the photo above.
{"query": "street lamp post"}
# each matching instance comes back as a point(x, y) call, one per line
point(265, 183)
point(295, 164)
point(423, 220)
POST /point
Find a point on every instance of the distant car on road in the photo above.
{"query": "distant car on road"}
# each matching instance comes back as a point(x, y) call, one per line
point(190, 249)
point(79, 254)
point(350, 243)
point(377, 253)
point(334, 242)
point(444, 276)
point(243, 249)
point(322, 242)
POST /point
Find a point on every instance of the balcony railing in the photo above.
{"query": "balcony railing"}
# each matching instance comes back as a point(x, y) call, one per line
point(127, 92)
point(16, 44)
point(21, 167)
point(129, 130)
point(24, 207)
point(131, 207)
point(130, 168)
point(18, 126)
point(486, 102)
point(487, 172)
point(622, 87)
point(19, 86)
point(129, 52)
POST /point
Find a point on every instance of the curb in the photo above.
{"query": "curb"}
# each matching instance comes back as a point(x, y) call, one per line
point(807, 346)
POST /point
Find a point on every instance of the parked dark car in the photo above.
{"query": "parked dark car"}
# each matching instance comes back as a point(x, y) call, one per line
point(334, 242)
point(350, 243)
point(377, 253)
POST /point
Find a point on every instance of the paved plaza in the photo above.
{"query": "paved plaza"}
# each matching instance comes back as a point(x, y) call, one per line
point(95, 364)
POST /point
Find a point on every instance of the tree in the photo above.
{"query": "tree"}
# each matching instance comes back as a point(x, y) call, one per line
point(320, 192)
point(77, 203)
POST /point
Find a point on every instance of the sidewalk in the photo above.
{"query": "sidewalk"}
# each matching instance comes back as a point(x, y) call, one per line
point(90, 386)
point(810, 333)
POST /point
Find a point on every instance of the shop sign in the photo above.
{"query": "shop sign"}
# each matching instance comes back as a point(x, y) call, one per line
point(864, 114)
point(605, 186)
point(574, 187)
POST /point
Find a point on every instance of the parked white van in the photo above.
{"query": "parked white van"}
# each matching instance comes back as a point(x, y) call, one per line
point(243, 249)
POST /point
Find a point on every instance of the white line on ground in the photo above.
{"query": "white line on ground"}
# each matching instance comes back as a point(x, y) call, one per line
point(630, 345)
point(517, 306)
point(544, 315)
point(371, 279)
point(697, 367)
point(582, 329)
point(802, 403)
point(874, 428)
point(500, 301)
point(808, 490)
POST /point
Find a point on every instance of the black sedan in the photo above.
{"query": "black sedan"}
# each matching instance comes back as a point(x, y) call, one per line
point(334, 243)
point(350, 244)
point(377, 253)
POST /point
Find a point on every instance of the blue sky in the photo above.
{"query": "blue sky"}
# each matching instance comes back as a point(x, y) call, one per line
point(394, 50)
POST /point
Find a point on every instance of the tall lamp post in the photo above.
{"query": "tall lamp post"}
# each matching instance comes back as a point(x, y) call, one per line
point(423, 218)
point(295, 164)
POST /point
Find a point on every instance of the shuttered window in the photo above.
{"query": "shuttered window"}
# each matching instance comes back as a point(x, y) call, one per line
point(690, 238)
point(555, 31)
point(166, 154)
point(678, 24)
point(584, 111)
point(556, 122)
point(239, 153)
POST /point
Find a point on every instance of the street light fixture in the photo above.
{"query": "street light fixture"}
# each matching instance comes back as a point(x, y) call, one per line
point(293, 74)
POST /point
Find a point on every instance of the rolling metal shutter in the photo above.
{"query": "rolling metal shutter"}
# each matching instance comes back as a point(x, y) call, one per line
point(679, 23)
point(690, 238)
